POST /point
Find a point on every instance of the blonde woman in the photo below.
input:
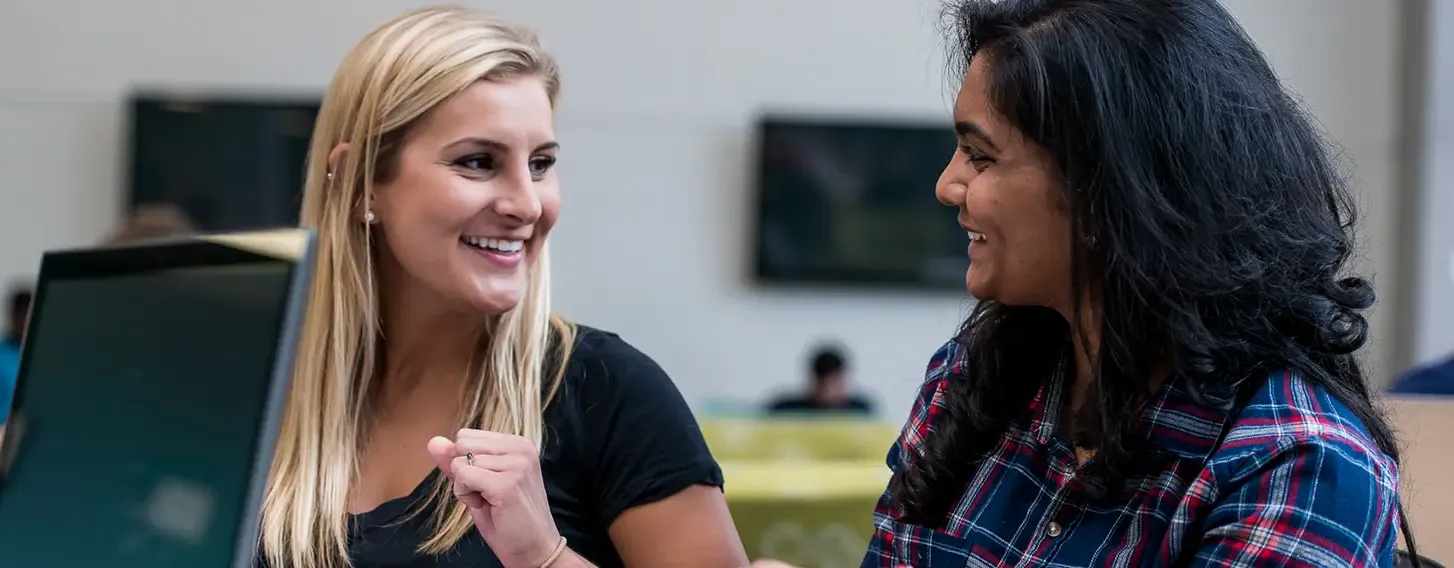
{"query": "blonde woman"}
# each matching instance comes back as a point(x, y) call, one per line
point(441, 416)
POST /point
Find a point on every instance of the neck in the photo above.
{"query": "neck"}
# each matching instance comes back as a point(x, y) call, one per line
point(1085, 343)
point(427, 352)
point(1084, 347)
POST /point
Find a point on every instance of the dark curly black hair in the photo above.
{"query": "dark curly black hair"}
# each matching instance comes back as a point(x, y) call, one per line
point(1210, 226)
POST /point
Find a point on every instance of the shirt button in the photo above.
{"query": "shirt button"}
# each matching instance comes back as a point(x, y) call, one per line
point(1052, 529)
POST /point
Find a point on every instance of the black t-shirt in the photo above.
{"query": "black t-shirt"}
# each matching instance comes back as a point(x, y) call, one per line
point(618, 434)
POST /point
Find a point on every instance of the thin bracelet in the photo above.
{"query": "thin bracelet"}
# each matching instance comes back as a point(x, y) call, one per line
point(554, 555)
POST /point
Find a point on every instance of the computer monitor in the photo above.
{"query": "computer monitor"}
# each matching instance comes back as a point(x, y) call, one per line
point(145, 414)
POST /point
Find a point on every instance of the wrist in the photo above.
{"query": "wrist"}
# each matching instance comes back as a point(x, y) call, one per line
point(569, 559)
point(547, 553)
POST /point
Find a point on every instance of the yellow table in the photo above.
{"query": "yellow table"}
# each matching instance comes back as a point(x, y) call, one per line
point(813, 515)
point(799, 439)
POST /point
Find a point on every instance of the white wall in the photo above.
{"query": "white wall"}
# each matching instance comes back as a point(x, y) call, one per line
point(1434, 289)
point(659, 98)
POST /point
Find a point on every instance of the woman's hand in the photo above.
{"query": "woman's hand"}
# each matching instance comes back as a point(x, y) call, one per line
point(768, 563)
point(498, 477)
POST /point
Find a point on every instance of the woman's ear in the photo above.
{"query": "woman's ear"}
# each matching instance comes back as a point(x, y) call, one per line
point(335, 160)
point(363, 209)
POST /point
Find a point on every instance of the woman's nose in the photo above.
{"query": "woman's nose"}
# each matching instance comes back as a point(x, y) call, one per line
point(952, 184)
point(520, 202)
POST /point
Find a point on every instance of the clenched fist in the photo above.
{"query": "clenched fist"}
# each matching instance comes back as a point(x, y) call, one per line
point(498, 477)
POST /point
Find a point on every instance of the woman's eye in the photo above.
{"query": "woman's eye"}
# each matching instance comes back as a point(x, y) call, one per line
point(540, 165)
point(975, 157)
point(481, 163)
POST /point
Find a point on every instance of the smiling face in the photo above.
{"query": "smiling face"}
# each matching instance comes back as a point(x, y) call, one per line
point(473, 194)
point(1009, 202)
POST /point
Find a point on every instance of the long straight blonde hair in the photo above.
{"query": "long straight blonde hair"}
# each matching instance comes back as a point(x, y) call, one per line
point(395, 76)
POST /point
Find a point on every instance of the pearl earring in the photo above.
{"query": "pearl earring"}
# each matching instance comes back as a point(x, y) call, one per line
point(329, 176)
point(369, 216)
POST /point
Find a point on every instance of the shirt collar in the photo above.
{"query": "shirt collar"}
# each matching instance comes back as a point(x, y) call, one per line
point(1045, 408)
point(1185, 425)
point(1177, 422)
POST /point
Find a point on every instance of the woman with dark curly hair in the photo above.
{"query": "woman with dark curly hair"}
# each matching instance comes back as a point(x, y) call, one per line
point(1161, 369)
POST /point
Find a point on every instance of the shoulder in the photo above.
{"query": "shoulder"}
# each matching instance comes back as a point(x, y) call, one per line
point(1299, 468)
point(945, 366)
point(598, 354)
point(632, 433)
point(598, 344)
point(601, 365)
point(1289, 419)
point(9, 354)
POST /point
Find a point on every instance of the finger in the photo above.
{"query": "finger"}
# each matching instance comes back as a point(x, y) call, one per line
point(474, 433)
point(442, 450)
point(479, 447)
point(472, 479)
point(485, 442)
point(481, 516)
point(509, 440)
point(471, 499)
point(491, 448)
point(461, 490)
point(493, 462)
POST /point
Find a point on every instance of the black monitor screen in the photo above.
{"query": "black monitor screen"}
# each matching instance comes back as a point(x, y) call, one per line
point(853, 204)
point(229, 164)
point(140, 403)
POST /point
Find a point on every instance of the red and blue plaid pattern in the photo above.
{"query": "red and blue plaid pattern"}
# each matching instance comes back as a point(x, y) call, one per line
point(1296, 481)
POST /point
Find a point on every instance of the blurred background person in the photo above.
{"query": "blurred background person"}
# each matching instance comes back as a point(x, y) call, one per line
point(17, 319)
point(153, 221)
point(829, 388)
point(1434, 379)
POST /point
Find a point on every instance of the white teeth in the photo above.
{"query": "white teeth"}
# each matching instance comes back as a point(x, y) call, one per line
point(973, 236)
point(506, 246)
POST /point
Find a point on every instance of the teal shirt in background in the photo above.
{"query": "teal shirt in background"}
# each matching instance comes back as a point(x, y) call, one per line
point(9, 367)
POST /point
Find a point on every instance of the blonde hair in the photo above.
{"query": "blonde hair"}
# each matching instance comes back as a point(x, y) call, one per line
point(388, 82)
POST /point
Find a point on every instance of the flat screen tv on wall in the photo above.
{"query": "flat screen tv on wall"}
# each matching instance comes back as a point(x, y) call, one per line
point(229, 162)
point(845, 202)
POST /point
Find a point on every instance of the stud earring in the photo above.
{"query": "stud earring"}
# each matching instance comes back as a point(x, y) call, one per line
point(369, 216)
point(329, 176)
